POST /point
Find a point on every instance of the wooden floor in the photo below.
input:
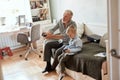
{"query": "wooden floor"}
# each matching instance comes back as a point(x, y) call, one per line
point(17, 68)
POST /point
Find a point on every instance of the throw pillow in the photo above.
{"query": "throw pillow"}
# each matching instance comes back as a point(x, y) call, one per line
point(80, 29)
point(102, 40)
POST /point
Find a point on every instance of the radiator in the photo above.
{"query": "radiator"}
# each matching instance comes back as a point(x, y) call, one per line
point(9, 39)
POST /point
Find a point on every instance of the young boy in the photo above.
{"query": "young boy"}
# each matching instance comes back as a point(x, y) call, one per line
point(74, 47)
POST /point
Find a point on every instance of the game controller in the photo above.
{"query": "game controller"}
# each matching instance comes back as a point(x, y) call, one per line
point(64, 50)
point(44, 34)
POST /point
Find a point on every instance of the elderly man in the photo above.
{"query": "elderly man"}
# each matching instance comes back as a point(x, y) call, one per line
point(58, 41)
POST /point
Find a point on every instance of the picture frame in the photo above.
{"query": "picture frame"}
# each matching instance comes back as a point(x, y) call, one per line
point(21, 19)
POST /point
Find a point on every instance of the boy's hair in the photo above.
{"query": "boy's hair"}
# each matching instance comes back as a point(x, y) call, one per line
point(72, 29)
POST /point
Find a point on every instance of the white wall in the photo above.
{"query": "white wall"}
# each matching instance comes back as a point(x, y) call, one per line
point(87, 11)
point(12, 8)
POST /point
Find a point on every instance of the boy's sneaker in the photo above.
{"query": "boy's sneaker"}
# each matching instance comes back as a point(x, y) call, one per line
point(61, 75)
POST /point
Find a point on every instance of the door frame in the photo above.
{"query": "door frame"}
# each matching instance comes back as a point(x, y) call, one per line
point(113, 41)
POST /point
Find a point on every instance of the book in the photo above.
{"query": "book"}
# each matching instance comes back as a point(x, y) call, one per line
point(101, 54)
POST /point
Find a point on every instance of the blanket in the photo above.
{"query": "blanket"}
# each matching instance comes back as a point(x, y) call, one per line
point(86, 62)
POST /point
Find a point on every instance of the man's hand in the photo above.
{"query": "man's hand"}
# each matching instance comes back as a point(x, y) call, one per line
point(67, 51)
point(48, 35)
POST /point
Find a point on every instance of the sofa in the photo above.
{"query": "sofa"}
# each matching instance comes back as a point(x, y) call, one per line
point(85, 63)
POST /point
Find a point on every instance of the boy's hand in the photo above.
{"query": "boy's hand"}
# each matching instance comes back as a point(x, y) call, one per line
point(67, 51)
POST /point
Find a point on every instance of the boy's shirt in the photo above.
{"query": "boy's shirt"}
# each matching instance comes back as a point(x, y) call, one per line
point(75, 45)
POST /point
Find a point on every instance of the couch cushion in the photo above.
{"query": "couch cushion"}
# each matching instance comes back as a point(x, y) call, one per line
point(80, 29)
point(102, 40)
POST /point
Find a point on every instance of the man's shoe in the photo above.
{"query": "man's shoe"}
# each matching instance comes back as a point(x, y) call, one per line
point(44, 71)
point(48, 70)
point(61, 76)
